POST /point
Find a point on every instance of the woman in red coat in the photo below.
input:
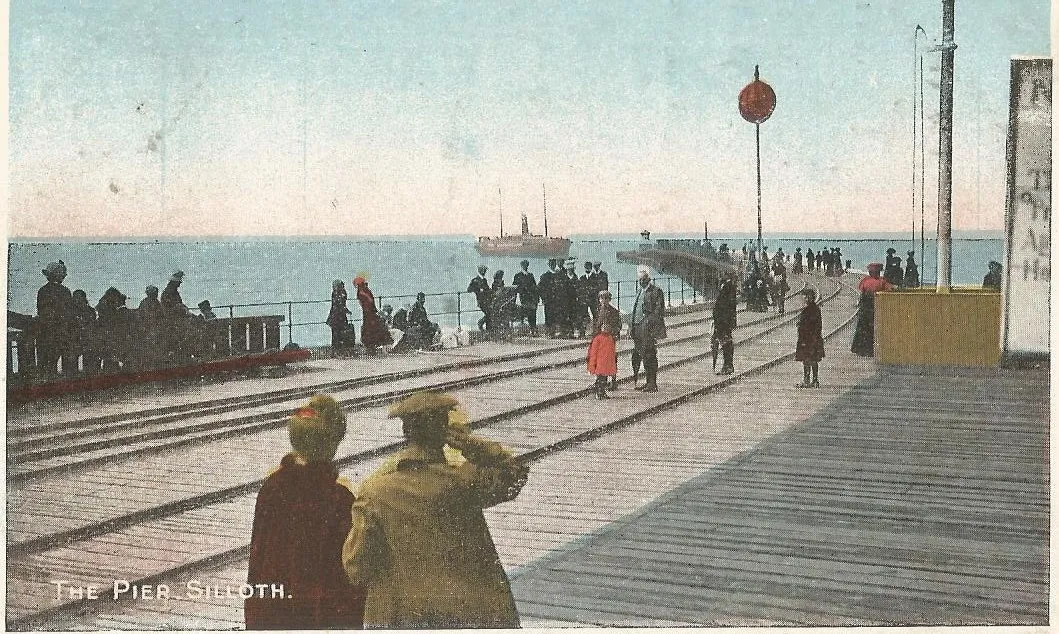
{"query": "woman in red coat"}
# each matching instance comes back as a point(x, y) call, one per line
point(602, 352)
point(373, 333)
point(810, 348)
point(302, 517)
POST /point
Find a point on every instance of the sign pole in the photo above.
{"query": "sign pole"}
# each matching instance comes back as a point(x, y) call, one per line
point(756, 102)
point(757, 139)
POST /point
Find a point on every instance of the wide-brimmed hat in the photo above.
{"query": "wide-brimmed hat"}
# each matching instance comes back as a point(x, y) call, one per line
point(596, 263)
point(177, 276)
point(151, 289)
point(204, 303)
point(359, 280)
point(54, 269)
point(422, 403)
point(875, 266)
point(891, 250)
point(643, 271)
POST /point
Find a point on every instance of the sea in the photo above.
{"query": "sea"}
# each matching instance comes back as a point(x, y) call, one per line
point(292, 276)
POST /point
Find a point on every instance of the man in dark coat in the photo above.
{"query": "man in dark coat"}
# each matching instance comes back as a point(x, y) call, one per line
point(993, 279)
point(421, 331)
point(528, 295)
point(911, 279)
point(647, 326)
point(724, 322)
point(483, 294)
point(54, 321)
point(566, 283)
point(301, 520)
point(810, 260)
point(549, 292)
point(810, 347)
point(797, 261)
point(602, 279)
point(588, 292)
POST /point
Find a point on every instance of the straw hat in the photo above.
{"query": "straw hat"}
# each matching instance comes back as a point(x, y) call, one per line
point(54, 269)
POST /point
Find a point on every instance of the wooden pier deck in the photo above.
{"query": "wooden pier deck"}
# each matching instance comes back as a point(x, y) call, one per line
point(890, 497)
point(883, 497)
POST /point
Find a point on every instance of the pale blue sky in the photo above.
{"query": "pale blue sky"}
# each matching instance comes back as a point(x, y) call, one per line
point(183, 118)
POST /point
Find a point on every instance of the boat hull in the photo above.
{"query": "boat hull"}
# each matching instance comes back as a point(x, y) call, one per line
point(519, 246)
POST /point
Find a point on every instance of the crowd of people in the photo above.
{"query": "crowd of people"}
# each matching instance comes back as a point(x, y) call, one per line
point(73, 338)
point(570, 301)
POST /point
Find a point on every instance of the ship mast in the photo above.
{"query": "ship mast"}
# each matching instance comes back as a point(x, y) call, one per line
point(545, 192)
point(501, 211)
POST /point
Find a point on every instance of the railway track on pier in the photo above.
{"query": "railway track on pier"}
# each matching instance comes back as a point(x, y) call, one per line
point(49, 448)
point(112, 545)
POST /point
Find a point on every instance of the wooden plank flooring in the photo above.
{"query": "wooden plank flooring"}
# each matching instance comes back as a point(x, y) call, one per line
point(857, 515)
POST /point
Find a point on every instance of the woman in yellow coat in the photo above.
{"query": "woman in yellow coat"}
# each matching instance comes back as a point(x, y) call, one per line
point(419, 542)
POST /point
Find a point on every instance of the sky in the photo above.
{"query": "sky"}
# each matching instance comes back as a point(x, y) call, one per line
point(326, 117)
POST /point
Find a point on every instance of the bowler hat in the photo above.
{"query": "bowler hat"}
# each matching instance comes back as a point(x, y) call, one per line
point(55, 269)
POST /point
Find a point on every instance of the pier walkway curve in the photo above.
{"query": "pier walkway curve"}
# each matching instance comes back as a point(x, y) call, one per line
point(885, 496)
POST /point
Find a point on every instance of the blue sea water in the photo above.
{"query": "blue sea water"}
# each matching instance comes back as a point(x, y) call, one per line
point(268, 273)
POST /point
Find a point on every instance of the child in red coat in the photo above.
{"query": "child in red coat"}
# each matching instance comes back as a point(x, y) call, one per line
point(302, 517)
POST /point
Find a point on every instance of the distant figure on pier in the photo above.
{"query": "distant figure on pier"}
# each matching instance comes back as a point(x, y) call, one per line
point(911, 279)
point(302, 517)
point(647, 325)
point(573, 311)
point(528, 295)
point(373, 332)
point(483, 294)
point(54, 321)
point(810, 347)
point(115, 325)
point(810, 260)
point(603, 351)
point(176, 318)
point(889, 262)
point(588, 292)
point(602, 279)
point(780, 287)
point(338, 316)
point(864, 336)
point(820, 261)
point(993, 279)
point(152, 327)
point(839, 269)
point(893, 273)
point(421, 332)
point(84, 336)
point(723, 253)
point(206, 311)
point(419, 542)
point(502, 309)
point(724, 322)
point(797, 268)
point(548, 289)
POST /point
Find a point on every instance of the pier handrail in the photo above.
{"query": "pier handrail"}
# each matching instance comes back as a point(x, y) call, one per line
point(21, 348)
point(687, 294)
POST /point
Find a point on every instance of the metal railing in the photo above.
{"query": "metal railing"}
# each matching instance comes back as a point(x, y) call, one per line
point(458, 308)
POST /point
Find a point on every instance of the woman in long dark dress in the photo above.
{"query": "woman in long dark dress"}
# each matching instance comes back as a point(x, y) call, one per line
point(864, 335)
point(373, 333)
point(810, 348)
point(337, 319)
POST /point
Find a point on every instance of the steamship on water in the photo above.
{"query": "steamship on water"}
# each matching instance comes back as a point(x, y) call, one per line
point(526, 244)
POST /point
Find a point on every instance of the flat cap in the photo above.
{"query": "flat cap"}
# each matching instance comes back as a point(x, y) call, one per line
point(421, 403)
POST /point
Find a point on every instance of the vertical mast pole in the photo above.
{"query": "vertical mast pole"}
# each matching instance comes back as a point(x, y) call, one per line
point(948, 27)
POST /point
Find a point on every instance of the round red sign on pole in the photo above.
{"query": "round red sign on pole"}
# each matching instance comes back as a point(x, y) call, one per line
point(757, 101)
